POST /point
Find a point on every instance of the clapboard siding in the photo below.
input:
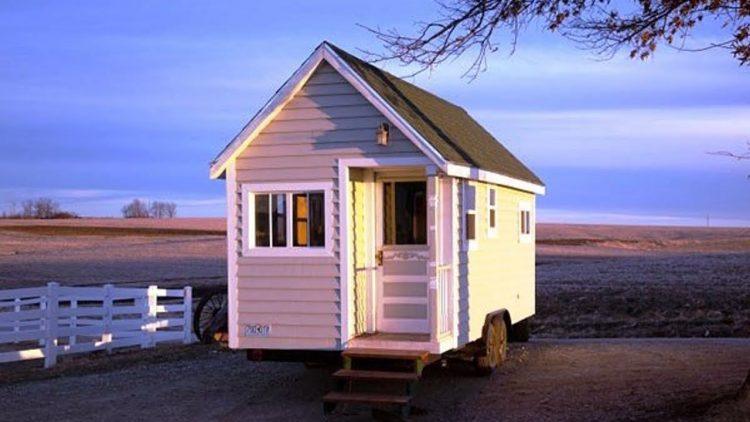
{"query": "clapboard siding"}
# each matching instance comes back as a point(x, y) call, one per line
point(301, 297)
point(500, 270)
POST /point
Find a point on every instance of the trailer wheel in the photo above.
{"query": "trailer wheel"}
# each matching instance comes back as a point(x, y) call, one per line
point(495, 347)
point(208, 308)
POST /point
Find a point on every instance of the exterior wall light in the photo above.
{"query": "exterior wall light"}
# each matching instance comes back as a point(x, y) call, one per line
point(382, 134)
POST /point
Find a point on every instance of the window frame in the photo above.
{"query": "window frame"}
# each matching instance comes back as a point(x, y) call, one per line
point(469, 244)
point(492, 229)
point(247, 211)
point(526, 207)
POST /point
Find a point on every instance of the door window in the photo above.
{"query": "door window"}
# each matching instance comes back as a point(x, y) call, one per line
point(405, 213)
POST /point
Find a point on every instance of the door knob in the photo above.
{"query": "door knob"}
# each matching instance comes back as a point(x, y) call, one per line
point(379, 258)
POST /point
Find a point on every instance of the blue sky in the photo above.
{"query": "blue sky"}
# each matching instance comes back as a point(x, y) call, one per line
point(101, 102)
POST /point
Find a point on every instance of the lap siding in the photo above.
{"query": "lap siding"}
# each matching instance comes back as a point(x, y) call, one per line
point(300, 298)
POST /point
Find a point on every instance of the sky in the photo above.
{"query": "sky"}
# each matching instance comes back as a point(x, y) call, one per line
point(102, 102)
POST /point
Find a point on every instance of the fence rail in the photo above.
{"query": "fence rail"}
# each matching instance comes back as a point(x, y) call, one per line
point(45, 322)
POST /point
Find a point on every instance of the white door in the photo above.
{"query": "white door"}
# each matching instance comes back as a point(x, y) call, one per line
point(403, 257)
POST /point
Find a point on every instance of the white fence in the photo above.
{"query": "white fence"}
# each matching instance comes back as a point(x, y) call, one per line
point(44, 322)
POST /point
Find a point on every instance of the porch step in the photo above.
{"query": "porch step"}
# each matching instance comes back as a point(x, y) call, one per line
point(373, 399)
point(364, 353)
point(375, 375)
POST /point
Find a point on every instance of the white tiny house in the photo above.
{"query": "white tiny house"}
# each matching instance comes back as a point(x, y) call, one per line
point(365, 212)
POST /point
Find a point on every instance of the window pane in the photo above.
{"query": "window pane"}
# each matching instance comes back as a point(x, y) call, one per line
point(262, 233)
point(317, 219)
point(470, 226)
point(279, 220)
point(471, 196)
point(492, 218)
point(492, 197)
point(528, 222)
point(405, 213)
point(300, 219)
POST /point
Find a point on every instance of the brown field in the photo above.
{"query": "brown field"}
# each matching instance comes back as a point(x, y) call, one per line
point(592, 280)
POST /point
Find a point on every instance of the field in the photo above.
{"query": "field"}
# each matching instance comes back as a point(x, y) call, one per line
point(592, 281)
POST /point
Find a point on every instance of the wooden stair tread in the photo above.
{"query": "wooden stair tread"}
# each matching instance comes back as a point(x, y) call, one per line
point(358, 352)
point(376, 375)
point(366, 398)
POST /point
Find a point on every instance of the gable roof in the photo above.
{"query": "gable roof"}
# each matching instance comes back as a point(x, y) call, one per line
point(443, 131)
point(448, 127)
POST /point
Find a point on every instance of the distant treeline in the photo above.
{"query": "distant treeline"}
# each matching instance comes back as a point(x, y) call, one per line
point(156, 209)
point(37, 208)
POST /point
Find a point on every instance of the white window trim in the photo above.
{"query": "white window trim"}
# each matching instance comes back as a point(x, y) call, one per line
point(492, 231)
point(468, 244)
point(526, 237)
point(248, 220)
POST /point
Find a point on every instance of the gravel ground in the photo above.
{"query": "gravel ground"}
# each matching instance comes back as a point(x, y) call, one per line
point(635, 379)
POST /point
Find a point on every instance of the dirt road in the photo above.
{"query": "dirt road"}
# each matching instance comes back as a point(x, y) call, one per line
point(544, 380)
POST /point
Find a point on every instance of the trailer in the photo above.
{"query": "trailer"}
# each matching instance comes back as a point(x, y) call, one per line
point(374, 221)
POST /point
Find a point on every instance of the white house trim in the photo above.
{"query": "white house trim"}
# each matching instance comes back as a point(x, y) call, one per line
point(232, 301)
point(347, 288)
point(293, 85)
point(475, 173)
point(248, 229)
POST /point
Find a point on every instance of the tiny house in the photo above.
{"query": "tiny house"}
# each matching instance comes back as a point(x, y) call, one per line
point(366, 212)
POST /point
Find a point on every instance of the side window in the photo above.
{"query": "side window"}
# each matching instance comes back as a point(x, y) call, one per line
point(470, 214)
point(491, 212)
point(525, 222)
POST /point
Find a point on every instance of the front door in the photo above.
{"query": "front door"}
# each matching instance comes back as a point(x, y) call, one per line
point(403, 257)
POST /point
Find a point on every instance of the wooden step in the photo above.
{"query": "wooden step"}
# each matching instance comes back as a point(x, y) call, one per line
point(357, 352)
point(376, 375)
point(366, 398)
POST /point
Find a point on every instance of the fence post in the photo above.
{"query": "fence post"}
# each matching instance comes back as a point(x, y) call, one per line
point(50, 318)
point(151, 320)
point(107, 323)
point(187, 315)
point(73, 321)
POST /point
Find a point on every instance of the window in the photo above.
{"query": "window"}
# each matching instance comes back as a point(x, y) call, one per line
point(470, 216)
point(491, 212)
point(286, 220)
point(525, 223)
point(405, 213)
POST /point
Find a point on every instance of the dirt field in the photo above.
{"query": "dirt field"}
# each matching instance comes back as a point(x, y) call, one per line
point(170, 253)
point(695, 379)
point(592, 281)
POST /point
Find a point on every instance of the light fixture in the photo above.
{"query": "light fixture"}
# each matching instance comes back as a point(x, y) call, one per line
point(382, 134)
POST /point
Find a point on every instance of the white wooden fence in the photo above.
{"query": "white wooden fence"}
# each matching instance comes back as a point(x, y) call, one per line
point(44, 322)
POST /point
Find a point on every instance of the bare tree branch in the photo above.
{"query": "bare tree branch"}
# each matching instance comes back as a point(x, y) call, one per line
point(603, 26)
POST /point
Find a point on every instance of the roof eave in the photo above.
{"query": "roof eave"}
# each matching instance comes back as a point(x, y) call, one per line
point(474, 173)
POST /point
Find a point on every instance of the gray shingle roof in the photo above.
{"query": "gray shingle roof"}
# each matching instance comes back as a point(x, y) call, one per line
point(447, 127)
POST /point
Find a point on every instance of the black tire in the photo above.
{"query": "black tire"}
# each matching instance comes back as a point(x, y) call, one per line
point(494, 347)
point(208, 307)
point(521, 331)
